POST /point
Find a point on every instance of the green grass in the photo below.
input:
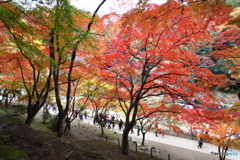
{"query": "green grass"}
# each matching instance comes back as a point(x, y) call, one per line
point(109, 133)
point(97, 131)
point(12, 153)
point(3, 111)
point(37, 124)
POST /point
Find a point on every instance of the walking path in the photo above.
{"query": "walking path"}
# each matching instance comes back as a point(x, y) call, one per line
point(180, 148)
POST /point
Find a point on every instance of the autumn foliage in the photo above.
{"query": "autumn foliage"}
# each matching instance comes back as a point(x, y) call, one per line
point(148, 52)
point(153, 54)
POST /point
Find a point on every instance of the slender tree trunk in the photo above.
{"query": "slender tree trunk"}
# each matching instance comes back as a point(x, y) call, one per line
point(102, 131)
point(127, 127)
point(143, 138)
point(221, 157)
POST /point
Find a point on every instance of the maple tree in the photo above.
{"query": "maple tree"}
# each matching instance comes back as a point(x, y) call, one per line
point(91, 93)
point(150, 121)
point(144, 121)
point(66, 44)
point(219, 128)
point(152, 55)
point(51, 43)
point(223, 137)
point(101, 105)
point(147, 124)
point(23, 57)
point(101, 102)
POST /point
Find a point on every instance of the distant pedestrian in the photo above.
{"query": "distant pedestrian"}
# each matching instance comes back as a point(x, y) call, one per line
point(138, 130)
point(120, 124)
point(132, 130)
point(81, 117)
point(76, 113)
point(113, 125)
point(54, 109)
point(112, 118)
point(85, 114)
point(109, 125)
point(95, 119)
point(156, 132)
point(200, 143)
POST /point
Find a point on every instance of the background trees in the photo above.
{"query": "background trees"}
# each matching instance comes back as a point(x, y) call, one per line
point(234, 3)
point(226, 48)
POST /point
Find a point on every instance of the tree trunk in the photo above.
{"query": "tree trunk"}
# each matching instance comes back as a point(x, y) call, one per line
point(101, 125)
point(102, 131)
point(143, 138)
point(60, 121)
point(128, 126)
point(6, 102)
point(221, 157)
point(29, 119)
point(32, 112)
point(125, 145)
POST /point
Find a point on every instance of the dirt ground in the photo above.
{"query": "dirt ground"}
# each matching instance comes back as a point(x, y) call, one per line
point(108, 149)
point(18, 141)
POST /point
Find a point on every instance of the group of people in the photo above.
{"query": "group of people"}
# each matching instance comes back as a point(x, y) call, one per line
point(75, 113)
point(104, 120)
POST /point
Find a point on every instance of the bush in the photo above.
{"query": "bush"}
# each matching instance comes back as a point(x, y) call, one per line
point(20, 109)
point(46, 115)
point(53, 122)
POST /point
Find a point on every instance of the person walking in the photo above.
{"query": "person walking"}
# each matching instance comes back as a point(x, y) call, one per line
point(138, 130)
point(132, 130)
point(80, 117)
point(85, 114)
point(156, 132)
point(113, 125)
point(200, 143)
point(120, 124)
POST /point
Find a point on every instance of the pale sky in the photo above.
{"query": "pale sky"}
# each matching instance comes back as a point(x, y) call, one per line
point(108, 6)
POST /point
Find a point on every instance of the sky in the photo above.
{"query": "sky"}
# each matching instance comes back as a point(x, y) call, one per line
point(108, 6)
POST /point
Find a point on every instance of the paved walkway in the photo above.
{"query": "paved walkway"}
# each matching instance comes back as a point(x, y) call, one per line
point(181, 148)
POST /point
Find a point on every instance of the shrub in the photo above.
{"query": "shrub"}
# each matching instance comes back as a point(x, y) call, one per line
point(46, 115)
point(53, 122)
point(20, 109)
